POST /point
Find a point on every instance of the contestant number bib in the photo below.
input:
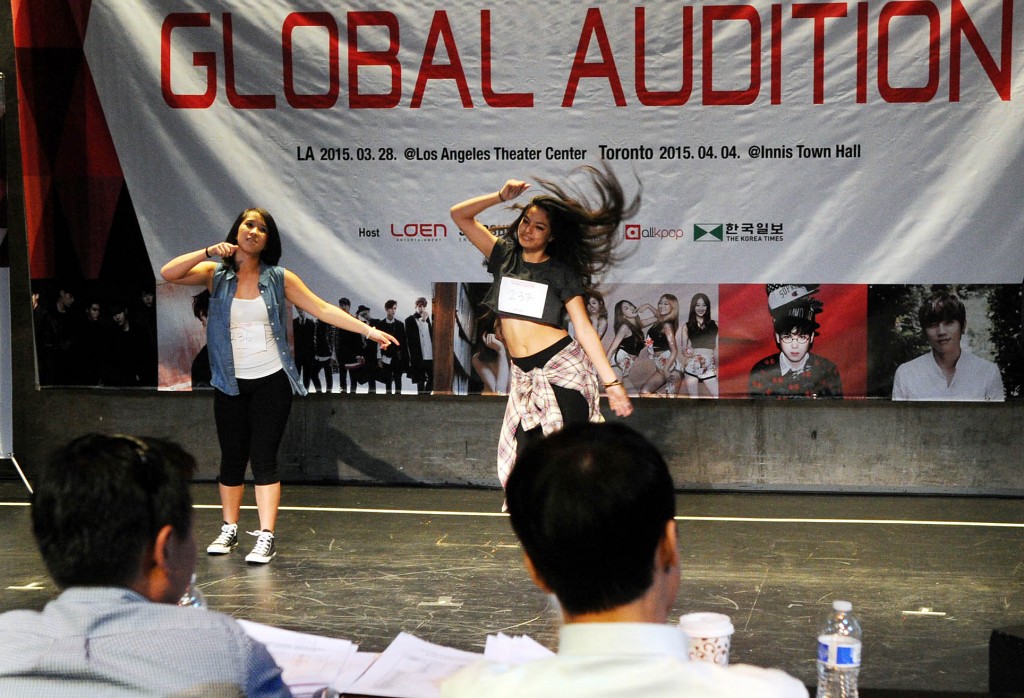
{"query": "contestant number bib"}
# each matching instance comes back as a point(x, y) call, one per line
point(520, 297)
point(249, 337)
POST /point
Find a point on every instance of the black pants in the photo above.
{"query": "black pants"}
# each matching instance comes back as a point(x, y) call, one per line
point(250, 426)
point(325, 364)
point(422, 375)
point(574, 407)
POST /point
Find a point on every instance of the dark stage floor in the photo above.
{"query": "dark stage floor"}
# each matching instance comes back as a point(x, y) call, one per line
point(930, 577)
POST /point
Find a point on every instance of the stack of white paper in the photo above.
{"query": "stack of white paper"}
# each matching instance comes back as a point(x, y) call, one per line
point(310, 662)
point(408, 668)
point(412, 668)
point(514, 650)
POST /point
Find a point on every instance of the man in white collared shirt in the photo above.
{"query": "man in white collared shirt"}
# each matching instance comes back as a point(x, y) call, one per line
point(948, 371)
point(594, 508)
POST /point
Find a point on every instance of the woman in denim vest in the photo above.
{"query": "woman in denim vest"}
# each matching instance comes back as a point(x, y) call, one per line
point(253, 370)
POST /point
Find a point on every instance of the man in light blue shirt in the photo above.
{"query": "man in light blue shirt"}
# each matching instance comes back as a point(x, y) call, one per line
point(112, 516)
point(594, 508)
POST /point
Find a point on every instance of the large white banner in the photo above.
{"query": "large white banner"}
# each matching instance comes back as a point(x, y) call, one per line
point(840, 142)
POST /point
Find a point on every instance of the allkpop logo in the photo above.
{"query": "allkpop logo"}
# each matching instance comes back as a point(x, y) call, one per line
point(639, 232)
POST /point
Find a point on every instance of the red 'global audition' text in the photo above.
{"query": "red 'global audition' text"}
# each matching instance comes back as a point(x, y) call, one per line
point(763, 72)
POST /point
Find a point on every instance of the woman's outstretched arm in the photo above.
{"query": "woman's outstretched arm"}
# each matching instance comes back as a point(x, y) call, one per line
point(299, 294)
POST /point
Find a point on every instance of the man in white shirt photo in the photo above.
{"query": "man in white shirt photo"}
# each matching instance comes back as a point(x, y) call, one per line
point(949, 371)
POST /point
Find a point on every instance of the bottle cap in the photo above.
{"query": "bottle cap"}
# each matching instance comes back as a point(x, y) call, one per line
point(844, 606)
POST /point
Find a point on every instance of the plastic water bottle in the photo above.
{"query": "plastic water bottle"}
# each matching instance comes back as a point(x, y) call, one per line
point(193, 596)
point(839, 653)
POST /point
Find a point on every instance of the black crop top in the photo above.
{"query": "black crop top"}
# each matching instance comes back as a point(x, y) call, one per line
point(659, 340)
point(632, 344)
point(704, 338)
point(527, 290)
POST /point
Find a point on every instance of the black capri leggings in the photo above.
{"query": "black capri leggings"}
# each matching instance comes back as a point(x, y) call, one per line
point(574, 407)
point(250, 426)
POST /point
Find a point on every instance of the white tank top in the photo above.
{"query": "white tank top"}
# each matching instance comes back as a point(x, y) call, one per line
point(252, 339)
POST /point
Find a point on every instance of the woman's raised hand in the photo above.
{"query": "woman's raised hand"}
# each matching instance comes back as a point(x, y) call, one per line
point(221, 249)
point(511, 189)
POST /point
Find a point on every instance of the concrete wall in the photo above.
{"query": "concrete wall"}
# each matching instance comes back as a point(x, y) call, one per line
point(854, 446)
point(874, 446)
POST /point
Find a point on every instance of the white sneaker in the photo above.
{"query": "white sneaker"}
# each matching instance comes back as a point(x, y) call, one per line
point(225, 542)
point(263, 552)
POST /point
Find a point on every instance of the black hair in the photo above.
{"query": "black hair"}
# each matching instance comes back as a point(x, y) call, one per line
point(596, 295)
point(271, 253)
point(589, 504)
point(691, 320)
point(201, 304)
point(583, 235)
point(620, 319)
point(795, 325)
point(942, 307)
point(100, 501)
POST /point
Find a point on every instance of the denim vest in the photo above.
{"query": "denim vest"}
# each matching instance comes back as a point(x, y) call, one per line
point(218, 326)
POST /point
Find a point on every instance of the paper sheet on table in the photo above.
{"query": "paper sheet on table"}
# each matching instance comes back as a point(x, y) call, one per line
point(514, 650)
point(412, 668)
point(355, 667)
point(308, 662)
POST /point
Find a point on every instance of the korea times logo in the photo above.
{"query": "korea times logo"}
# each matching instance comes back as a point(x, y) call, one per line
point(738, 232)
point(707, 231)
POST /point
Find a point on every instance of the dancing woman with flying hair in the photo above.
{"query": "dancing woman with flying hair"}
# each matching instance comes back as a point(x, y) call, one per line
point(543, 268)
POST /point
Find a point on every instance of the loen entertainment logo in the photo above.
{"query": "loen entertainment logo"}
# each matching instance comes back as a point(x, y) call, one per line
point(635, 231)
point(418, 232)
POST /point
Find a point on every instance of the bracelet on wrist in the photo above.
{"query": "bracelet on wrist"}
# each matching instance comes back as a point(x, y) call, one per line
point(207, 252)
point(502, 198)
point(368, 331)
point(613, 383)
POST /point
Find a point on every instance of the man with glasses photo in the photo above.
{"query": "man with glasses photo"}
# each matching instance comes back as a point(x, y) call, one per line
point(795, 372)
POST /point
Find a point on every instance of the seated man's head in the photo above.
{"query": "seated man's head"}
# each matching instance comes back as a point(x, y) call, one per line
point(943, 319)
point(116, 511)
point(593, 506)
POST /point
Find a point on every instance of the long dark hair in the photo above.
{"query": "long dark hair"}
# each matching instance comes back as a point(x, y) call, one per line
point(620, 319)
point(691, 321)
point(602, 311)
point(271, 253)
point(583, 235)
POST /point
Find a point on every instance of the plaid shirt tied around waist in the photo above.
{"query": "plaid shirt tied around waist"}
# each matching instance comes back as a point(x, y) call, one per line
point(531, 401)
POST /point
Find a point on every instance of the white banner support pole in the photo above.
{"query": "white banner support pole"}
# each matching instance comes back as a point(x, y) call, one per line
point(6, 379)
